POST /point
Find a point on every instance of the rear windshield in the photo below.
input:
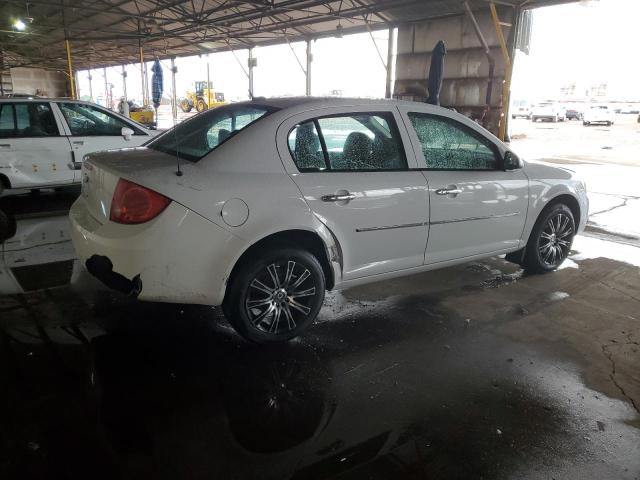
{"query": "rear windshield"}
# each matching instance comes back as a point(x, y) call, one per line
point(193, 139)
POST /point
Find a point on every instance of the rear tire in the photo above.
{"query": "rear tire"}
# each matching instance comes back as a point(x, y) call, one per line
point(550, 240)
point(5, 227)
point(274, 298)
point(185, 105)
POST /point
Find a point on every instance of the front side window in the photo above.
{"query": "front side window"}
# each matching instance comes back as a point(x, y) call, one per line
point(362, 141)
point(29, 119)
point(450, 145)
point(193, 139)
point(87, 120)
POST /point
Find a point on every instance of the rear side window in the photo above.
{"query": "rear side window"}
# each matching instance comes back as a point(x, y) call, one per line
point(26, 120)
point(356, 142)
point(193, 139)
point(450, 145)
point(304, 144)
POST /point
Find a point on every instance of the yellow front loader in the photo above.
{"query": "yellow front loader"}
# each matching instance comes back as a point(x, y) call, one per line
point(203, 98)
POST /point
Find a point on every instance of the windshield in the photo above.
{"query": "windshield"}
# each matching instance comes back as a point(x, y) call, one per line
point(193, 139)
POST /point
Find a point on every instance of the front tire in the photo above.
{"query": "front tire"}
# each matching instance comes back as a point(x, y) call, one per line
point(550, 240)
point(274, 298)
point(201, 106)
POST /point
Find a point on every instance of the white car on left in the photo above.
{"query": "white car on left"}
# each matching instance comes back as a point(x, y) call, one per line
point(43, 140)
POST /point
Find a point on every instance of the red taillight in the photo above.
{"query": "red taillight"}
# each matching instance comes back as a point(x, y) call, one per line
point(133, 203)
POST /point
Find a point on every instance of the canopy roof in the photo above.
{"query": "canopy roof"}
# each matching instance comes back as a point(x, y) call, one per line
point(109, 32)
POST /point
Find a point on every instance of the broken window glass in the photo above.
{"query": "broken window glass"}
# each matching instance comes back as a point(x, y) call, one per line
point(449, 145)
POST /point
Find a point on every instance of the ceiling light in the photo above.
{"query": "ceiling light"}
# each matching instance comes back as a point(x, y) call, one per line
point(19, 25)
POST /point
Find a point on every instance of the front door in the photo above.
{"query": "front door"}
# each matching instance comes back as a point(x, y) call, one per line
point(353, 172)
point(92, 129)
point(32, 152)
point(477, 207)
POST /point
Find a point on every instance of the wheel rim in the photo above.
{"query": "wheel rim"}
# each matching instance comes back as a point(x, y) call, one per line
point(280, 297)
point(555, 240)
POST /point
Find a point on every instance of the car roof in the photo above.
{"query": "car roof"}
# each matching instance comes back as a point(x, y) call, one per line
point(314, 102)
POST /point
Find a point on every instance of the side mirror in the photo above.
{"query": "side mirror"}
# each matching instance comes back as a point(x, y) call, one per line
point(127, 133)
point(511, 161)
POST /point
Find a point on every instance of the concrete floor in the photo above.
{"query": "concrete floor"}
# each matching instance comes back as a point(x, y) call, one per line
point(476, 371)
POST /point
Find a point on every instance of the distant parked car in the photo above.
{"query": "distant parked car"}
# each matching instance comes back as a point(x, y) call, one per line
point(573, 114)
point(521, 109)
point(598, 114)
point(43, 141)
point(629, 109)
point(279, 200)
point(548, 111)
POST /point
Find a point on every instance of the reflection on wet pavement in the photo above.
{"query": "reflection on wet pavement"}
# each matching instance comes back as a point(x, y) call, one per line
point(476, 371)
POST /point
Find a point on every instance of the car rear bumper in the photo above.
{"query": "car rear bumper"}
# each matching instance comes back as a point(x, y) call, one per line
point(178, 257)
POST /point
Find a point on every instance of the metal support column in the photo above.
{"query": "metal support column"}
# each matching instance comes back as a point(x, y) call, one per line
point(174, 102)
point(124, 83)
point(107, 103)
point(208, 84)
point(391, 43)
point(308, 69)
point(72, 80)
point(251, 63)
point(89, 77)
point(143, 77)
point(506, 85)
point(492, 64)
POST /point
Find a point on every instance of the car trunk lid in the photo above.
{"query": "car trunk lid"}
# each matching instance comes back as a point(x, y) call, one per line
point(101, 172)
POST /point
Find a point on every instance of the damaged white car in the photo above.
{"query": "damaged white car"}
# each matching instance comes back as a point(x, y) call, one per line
point(261, 206)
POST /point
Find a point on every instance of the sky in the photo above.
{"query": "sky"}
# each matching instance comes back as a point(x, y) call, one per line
point(584, 43)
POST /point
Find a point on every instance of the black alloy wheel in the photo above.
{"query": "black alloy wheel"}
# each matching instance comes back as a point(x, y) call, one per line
point(275, 298)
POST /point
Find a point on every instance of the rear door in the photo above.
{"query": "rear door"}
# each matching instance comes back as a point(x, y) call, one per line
point(353, 170)
point(33, 153)
point(92, 129)
point(476, 206)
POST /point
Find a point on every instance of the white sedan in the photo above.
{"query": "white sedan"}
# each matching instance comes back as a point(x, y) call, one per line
point(598, 114)
point(43, 140)
point(261, 206)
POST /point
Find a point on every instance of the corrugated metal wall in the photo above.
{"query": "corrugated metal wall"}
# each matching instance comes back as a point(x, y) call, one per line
point(48, 83)
point(466, 67)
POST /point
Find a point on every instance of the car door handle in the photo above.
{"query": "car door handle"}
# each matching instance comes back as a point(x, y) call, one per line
point(78, 142)
point(5, 145)
point(338, 198)
point(449, 191)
